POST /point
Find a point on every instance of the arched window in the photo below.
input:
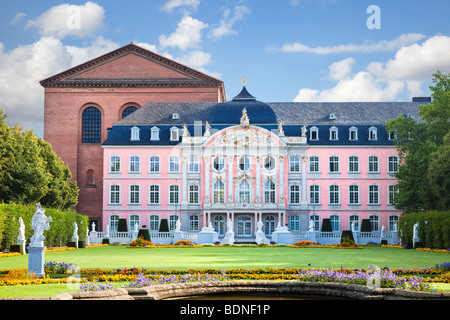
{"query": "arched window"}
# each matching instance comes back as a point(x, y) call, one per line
point(128, 111)
point(91, 127)
point(90, 178)
point(244, 192)
point(134, 220)
point(269, 225)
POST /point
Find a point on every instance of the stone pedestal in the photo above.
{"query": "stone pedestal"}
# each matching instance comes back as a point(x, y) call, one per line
point(282, 237)
point(311, 236)
point(22, 245)
point(36, 259)
point(75, 239)
point(207, 237)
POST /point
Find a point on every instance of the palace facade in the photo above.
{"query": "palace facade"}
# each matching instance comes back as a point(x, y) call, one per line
point(246, 165)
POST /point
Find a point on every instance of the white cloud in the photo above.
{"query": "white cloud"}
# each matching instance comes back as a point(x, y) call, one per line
point(228, 21)
point(188, 34)
point(416, 62)
point(342, 69)
point(70, 20)
point(195, 59)
point(385, 45)
point(17, 18)
point(171, 5)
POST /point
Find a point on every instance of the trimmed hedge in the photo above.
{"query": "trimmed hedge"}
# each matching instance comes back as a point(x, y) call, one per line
point(434, 229)
point(365, 225)
point(61, 227)
point(326, 225)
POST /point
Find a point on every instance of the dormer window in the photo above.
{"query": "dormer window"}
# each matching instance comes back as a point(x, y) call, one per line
point(174, 134)
point(373, 133)
point(353, 134)
point(314, 133)
point(333, 133)
point(175, 116)
point(135, 134)
point(154, 134)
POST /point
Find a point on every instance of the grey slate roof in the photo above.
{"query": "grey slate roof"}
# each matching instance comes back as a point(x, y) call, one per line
point(351, 113)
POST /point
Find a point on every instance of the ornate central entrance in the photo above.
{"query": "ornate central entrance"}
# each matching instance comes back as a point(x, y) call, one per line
point(244, 226)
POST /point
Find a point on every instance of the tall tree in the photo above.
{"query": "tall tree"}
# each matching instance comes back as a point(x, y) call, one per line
point(30, 171)
point(417, 144)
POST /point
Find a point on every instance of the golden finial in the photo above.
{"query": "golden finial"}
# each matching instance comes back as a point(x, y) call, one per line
point(243, 80)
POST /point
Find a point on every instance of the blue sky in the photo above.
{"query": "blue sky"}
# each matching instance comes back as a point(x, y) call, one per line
point(288, 50)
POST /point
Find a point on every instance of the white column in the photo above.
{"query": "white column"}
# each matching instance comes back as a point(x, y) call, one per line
point(230, 160)
point(304, 177)
point(258, 179)
point(281, 179)
point(207, 169)
point(184, 186)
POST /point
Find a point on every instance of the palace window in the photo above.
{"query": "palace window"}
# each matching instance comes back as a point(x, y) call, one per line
point(193, 193)
point(153, 196)
point(294, 222)
point(314, 194)
point(114, 222)
point(393, 190)
point(173, 194)
point(174, 134)
point(244, 163)
point(91, 127)
point(334, 164)
point(173, 218)
point(154, 134)
point(154, 164)
point(335, 222)
point(353, 164)
point(153, 222)
point(393, 164)
point(219, 224)
point(135, 134)
point(219, 163)
point(393, 223)
point(373, 133)
point(135, 164)
point(194, 164)
point(135, 194)
point(269, 192)
point(194, 223)
point(334, 194)
point(373, 194)
point(294, 164)
point(269, 225)
point(294, 193)
point(373, 164)
point(133, 221)
point(314, 133)
point(269, 163)
point(219, 192)
point(353, 219)
point(333, 134)
point(244, 192)
point(353, 194)
point(114, 164)
point(114, 194)
point(374, 222)
point(353, 134)
point(314, 164)
point(316, 221)
point(174, 164)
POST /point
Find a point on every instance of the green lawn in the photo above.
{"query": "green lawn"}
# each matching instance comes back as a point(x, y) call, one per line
point(113, 257)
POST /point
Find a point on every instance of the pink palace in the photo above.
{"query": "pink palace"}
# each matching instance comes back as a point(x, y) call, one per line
point(249, 166)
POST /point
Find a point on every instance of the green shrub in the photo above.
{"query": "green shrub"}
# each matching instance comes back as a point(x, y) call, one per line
point(164, 226)
point(145, 234)
point(122, 225)
point(347, 234)
point(365, 225)
point(326, 225)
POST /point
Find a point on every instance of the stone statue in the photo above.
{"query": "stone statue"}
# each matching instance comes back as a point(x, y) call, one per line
point(178, 226)
point(21, 235)
point(416, 231)
point(304, 131)
point(260, 225)
point(311, 225)
point(93, 226)
point(107, 232)
point(229, 226)
point(39, 223)
point(207, 128)
point(280, 129)
point(245, 121)
point(75, 230)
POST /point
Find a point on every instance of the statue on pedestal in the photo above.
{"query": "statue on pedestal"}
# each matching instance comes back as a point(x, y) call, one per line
point(39, 223)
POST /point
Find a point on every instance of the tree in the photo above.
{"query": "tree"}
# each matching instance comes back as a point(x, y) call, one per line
point(31, 172)
point(417, 144)
point(439, 174)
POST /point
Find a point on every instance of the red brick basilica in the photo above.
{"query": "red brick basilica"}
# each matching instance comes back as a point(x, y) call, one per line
point(83, 102)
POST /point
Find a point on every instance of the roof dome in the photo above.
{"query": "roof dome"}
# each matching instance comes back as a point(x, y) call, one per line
point(231, 112)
